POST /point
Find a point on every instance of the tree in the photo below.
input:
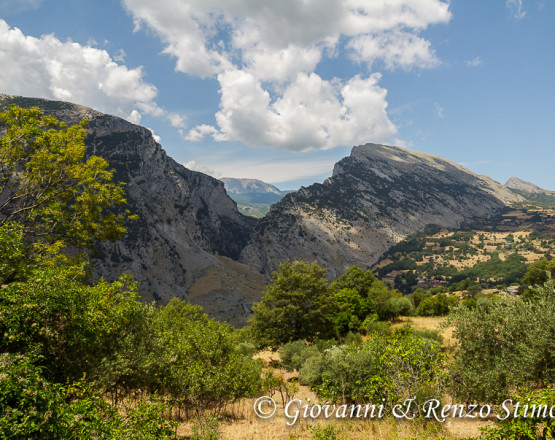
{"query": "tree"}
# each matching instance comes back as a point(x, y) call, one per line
point(503, 346)
point(59, 197)
point(296, 305)
point(360, 294)
point(537, 274)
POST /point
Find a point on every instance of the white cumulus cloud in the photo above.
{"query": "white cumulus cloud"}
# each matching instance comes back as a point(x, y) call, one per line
point(46, 67)
point(265, 55)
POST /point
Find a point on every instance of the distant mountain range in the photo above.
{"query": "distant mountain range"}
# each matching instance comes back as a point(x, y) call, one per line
point(533, 194)
point(191, 240)
point(253, 196)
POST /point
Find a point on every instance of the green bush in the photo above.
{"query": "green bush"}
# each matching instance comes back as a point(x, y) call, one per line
point(504, 345)
point(326, 432)
point(372, 325)
point(525, 427)
point(200, 364)
point(391, 368)
point(33, 408)
point(294, 354)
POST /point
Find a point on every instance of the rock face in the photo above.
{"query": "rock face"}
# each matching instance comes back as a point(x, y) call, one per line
point(186, 219)
point(521, 185)
point(375, 198)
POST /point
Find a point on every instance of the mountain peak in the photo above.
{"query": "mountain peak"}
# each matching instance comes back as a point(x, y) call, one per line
point(522, 185)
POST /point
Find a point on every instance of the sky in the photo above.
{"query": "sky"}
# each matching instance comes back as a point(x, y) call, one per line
point(281, 90)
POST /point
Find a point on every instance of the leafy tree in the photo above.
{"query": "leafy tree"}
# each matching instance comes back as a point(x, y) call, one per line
point(504, 345)
point(47, 185)
point(296, 305)
point(437, 305)
point(201, 364)
point(537, 274)
point(359, 294)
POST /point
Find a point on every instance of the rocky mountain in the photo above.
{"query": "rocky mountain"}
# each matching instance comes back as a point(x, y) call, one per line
point(250, 186)
point(376, 197)
point(521, 185)
point(253, 196)
point(187, 223)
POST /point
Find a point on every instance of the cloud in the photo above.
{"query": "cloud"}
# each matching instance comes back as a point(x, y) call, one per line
point(193, 166)
point(13, 7)
point(516, 9)
point(396, 49)
point(265, 56)
point(272, 172)
point(440, 111)
point(310, 114)
point(474, 62)
point(48, 68)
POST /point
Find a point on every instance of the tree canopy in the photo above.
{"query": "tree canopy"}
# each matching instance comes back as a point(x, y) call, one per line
point(50, 192)
point(296, 305)
point(48, 185)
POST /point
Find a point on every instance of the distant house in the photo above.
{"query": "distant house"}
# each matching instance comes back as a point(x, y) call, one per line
point(512, 289)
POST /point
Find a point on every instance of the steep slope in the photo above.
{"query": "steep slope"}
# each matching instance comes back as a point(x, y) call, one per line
point(185, 220)
point(375, 198)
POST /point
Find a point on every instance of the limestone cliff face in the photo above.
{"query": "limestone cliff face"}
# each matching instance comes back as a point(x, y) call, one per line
point(375, 198)
point(186, 219)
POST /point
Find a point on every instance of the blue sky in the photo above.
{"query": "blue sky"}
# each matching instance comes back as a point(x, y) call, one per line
point(280, 91)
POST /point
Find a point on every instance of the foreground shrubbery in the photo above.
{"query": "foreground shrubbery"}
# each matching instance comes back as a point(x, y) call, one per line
point(33, 407)
point(103, 333)
point(504, 345)
point(384, 369)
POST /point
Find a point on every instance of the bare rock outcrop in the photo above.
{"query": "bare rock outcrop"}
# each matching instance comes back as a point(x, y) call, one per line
point(376, 197)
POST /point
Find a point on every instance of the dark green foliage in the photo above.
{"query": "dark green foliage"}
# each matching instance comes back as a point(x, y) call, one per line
point(360, 294)
point(504, 345)
point(537, 274)
point(394, 307)
point(506, 272)
point(297, 305)
point(33, 408)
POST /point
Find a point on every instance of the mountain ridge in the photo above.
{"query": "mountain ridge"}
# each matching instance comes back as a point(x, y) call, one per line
point(376, 196)
point(187, 222)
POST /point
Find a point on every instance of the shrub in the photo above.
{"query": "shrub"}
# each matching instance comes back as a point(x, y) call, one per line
point(525, 427)
point(326, 432)
point(294, 354)
point(391, 368)
point(32, 407)
point(504, 345)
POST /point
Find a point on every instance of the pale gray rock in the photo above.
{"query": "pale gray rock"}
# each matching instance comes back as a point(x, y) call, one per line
point(376, 197)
